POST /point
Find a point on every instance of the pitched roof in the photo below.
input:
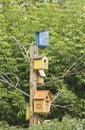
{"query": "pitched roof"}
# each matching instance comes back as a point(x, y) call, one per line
point(38, 57)
point(41, 94)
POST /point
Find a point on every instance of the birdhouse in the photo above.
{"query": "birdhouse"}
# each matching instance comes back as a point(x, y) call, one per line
point(28, 112)
point(42, 101)
point(40, 63)
point(42, 38)
point(40, 77)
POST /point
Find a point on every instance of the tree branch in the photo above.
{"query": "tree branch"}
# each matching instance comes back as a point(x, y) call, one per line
point(5, 79)
point(68, 71)
point(22, 48)
point(56, 95)
point(65, 106)
point(73, 65)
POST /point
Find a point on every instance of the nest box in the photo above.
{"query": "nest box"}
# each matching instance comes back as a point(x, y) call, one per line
point(28, 112)
point(40, 63)
point(42, 38)
point(42, 101)
point(40, 76)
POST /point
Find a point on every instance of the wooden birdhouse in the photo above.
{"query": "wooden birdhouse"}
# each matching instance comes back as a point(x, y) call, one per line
point(28, 112)
point(42, 101)
point(40, 76)
point(42, 39)
point(40, 63)
point(40, 79)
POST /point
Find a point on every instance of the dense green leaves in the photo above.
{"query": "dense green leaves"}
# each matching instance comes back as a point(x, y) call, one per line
point(67, 124)
point(19, 23)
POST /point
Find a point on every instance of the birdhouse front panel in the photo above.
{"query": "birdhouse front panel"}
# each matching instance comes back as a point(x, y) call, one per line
point(41, 106)
point(37, 64)
point(38, 106)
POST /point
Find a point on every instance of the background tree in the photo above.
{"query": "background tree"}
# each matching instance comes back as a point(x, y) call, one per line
point(19, 23)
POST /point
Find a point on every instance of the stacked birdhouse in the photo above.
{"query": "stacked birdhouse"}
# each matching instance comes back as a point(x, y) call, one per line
point(40, 64)
point(42, 98)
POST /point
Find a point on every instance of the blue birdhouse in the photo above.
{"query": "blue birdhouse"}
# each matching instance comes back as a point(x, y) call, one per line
point(42, 39)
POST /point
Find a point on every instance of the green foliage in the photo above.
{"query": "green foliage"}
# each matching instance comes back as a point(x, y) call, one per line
point(68, 103)
point(66, 124)
point(66, 25)
point(12, 105)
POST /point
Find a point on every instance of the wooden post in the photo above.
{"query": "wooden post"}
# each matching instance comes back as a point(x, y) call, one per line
point(33, 84)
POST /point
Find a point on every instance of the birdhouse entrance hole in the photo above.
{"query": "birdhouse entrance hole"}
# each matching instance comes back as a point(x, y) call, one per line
point(46, 97)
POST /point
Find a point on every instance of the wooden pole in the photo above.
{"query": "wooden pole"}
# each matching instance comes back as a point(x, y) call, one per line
point(33, 84)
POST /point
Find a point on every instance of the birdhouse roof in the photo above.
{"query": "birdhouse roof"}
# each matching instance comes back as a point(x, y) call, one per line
point(42, 31)
point(38, 57)
point(41, 94)
point(41, 73)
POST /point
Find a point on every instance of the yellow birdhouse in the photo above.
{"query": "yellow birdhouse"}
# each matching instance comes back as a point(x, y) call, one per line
point(40, 77)
point(28, 112)
point(42, 101)
point(40, 63)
